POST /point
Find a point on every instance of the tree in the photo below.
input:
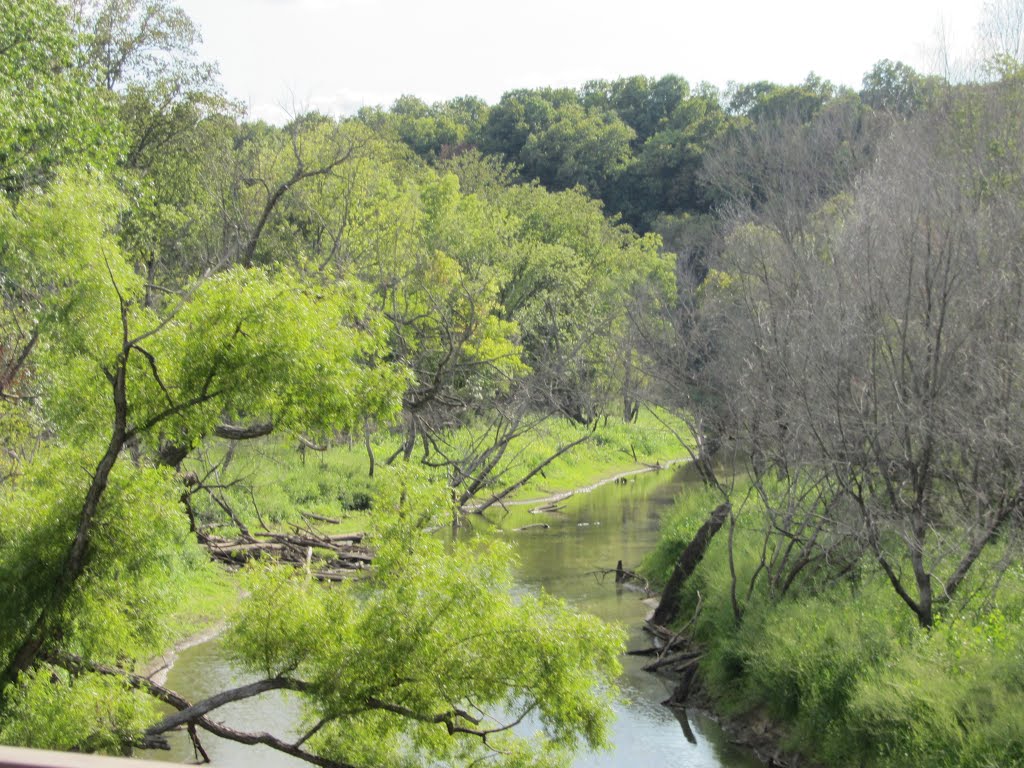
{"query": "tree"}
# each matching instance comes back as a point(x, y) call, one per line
point(578, 148)
point(873, 356)
point(895, 88)
point(130, 40)
point(49, 113)
point(665, 179)
point(95, 539)
point(572, 278)
point(782, 166)
point(466, 663)
point(642, 103)
point(519, 114)
point(1001, 31)
point(154, 378)
point(765, 101)
point(236, 280)
point(435, 131)
point(258, 170)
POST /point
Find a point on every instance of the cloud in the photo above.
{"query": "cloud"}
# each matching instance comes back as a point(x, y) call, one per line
point(347, 102)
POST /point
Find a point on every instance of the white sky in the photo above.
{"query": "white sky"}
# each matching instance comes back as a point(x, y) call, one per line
point(282, 56)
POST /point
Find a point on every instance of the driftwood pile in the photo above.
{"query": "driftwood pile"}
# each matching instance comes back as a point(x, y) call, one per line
point(327, 557)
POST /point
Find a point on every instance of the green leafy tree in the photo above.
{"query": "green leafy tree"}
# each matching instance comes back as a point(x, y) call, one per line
point(243, 344)
point(521, 113)
point(666, 177)
point(894, 87)
point(765, 101)
point(210, 277)
point(571, 276)
point(469, 672)
point(94, 551)
point(49, 112)
point(642, 103)
point(578, 148)
point(435, 131)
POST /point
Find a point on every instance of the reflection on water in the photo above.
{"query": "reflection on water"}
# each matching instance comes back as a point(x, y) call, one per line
point(591, 532)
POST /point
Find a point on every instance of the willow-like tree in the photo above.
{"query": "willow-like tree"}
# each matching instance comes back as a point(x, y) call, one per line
point(114, 371)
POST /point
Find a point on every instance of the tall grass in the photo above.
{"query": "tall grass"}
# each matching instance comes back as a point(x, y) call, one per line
point(845, 667)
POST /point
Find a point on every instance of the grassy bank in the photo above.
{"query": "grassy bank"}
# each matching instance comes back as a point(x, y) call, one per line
point(335, 483)
point(841, 663)
point(614, 447)
point(212, 595)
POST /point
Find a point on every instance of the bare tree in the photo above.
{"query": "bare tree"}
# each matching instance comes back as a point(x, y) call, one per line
point(1001, 30)
point(882, 356)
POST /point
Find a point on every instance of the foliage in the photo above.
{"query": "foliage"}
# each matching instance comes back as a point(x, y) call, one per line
point(96, 555)
point(894, 87)
point(91, 713)
point(49, 112)
point(173, 274)
point(433, 132)
point(240, 279)
point(278, 480)
point(143, 560)
point(846, 670)
point(466, 649)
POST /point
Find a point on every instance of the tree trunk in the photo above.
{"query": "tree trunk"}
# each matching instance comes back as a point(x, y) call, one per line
point(668, 607)
point(368, 443)
point(75, 560)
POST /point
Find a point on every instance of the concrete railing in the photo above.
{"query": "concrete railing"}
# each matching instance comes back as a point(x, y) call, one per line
point(16, 757)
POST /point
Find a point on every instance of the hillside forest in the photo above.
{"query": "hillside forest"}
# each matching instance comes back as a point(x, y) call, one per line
point(814, 293)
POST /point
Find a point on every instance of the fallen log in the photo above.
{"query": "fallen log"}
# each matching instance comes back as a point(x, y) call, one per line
point(547, 509)
point(231, 546)
point(328, 555)
point(688, 561)
point(335, 575)
point(682, 659)
point(651, 651)
point(533, 526)
point(659, 631)
point(359, 557)
point(312, 540)
point(682, 691)
point(320, 518)
point(355, 537)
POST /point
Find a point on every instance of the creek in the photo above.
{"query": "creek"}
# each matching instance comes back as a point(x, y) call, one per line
point(588, 533)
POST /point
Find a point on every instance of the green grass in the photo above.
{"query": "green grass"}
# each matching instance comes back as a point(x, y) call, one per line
point(615, 447)
point(211, 596)
point(272, 482)
point(843, 666)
